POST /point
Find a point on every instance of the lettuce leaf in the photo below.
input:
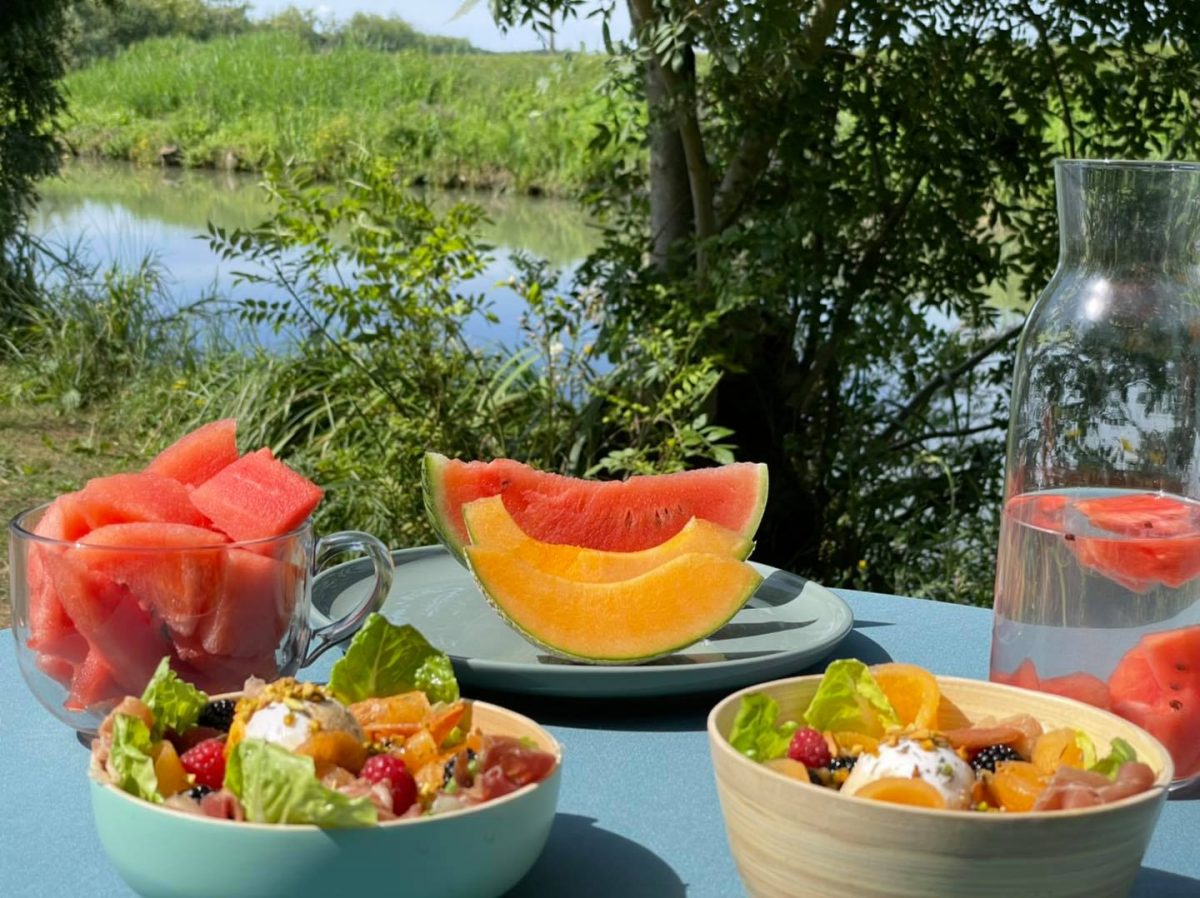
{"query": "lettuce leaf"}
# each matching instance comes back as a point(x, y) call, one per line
point(1118, 753)
point(276, 786)
point(175, 703)
point(385, 659)
point(129, 760)
point(849, 699)
point(754, 732)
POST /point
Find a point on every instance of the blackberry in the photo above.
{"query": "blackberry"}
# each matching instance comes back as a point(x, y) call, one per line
point(217, 714)
point(198, 792)
point(448, 770)
point(842, 762)
point(987, 758)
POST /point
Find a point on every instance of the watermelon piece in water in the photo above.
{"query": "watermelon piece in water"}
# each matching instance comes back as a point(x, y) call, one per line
point(616, 516)
point(197, 456)
point(179, 586)
point(257, 496)
point(1156, 685)
point(125, 498)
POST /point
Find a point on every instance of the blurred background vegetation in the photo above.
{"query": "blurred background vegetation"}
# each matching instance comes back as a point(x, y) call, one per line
point(819, 233)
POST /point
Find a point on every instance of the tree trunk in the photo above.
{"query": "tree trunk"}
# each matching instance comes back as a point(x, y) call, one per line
point(671, 217)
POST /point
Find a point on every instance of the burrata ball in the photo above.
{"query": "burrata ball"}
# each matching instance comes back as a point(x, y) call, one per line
point(939, 766)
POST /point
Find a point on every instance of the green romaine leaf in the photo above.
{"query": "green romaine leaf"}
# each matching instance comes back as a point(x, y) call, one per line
point(175, 703)
point(849, 699)
point(754, 732)
point(129, 760)
point(385, 659)
point(276, 786)
point(1118, 753)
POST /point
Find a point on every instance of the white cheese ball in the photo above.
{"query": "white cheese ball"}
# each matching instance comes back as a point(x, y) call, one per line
point(940, 767)
point(279, 724)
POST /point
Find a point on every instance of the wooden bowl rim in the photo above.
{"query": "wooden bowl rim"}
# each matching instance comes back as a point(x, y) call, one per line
point(556, 749)
point(1156, 792)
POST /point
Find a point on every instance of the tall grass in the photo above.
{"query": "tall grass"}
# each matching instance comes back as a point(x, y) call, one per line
point(513, 120)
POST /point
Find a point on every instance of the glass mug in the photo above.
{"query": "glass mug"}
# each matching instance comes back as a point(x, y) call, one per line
point(1098, 571)
point(92, 622)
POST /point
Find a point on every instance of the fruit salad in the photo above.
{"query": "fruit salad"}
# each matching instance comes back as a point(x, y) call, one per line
point(885, 733)
point(387, 738)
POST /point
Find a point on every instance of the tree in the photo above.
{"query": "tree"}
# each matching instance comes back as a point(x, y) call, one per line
point(32, 46)
point(850, 202)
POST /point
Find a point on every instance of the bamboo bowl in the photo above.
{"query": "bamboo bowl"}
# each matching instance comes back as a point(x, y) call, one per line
point(790, 838)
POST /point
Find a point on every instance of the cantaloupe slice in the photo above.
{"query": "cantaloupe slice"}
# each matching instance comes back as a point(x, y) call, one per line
point(619, 622)
point(492, 527)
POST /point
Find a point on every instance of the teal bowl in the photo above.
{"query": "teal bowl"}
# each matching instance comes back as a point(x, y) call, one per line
point(478, 852)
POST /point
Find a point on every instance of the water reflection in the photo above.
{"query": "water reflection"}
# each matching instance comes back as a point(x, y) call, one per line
point(117, 213)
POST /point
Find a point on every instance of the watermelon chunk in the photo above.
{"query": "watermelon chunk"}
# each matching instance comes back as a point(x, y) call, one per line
point(197, 456)
point(180, 586)
point(218, 673)
point(1156, 685)
point(618, 516)
point(124, 498)
point(257, 496)
point(254, 609)
point(116, 627)
point(93, 684)
point(50, 628)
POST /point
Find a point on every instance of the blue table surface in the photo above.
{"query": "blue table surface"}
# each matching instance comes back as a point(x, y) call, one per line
point(638, 813)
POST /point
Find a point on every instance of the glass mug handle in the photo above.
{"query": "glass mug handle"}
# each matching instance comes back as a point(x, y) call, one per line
point(326, 637)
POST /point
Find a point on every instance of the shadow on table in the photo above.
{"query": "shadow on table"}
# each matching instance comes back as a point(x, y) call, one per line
point(1152, 883)
point(584, 861)
point(656, 714)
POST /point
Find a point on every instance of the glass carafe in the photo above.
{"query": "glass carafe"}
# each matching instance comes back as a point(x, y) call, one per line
point(1098, 571)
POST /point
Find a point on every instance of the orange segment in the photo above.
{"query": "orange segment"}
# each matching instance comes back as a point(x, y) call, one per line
point(902, 790)
point(1055, 749)
point(789, 768)
point(950, 716)
point(912, 690)
point(168, 770)
point(1016, 785)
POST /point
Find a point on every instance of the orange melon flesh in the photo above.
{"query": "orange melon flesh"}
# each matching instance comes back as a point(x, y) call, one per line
point(625, 621)
point(616, 516)
point(492, 527)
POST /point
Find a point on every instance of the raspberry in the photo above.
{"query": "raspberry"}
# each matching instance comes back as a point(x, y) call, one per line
point(206, 762)
point(809, 748)
point(390, 768)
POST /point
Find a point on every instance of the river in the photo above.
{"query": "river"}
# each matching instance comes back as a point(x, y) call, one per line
point(118, 213)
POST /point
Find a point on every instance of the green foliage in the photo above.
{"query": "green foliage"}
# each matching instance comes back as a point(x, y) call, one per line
point(90, 333)
point(862, 181)
point(31, 62)
point(517, 120)
point(101, 29)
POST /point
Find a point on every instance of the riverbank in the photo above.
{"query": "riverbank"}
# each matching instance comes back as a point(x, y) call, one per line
point(519, 122)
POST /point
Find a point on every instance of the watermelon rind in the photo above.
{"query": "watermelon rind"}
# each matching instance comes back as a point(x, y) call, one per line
point(598, 660)
point(435, 505)
point(442, 518)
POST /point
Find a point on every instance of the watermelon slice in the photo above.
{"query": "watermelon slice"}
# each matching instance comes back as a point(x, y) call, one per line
point(616, 516)
point(197, 456)
point(254, 607)
point(257, 496)
point(51, 631)
point(123, 498)
point(1081, 686)
point(1156, 685)
point(93, 684)
point(117, 629)
point(179, 586)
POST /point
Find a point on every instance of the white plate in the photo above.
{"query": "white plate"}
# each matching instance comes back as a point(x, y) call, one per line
point(790, 623)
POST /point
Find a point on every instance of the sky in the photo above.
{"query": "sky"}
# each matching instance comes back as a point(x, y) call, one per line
point(476, 25)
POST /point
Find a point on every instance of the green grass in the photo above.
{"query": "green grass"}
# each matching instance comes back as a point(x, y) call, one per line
point(520, 121)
